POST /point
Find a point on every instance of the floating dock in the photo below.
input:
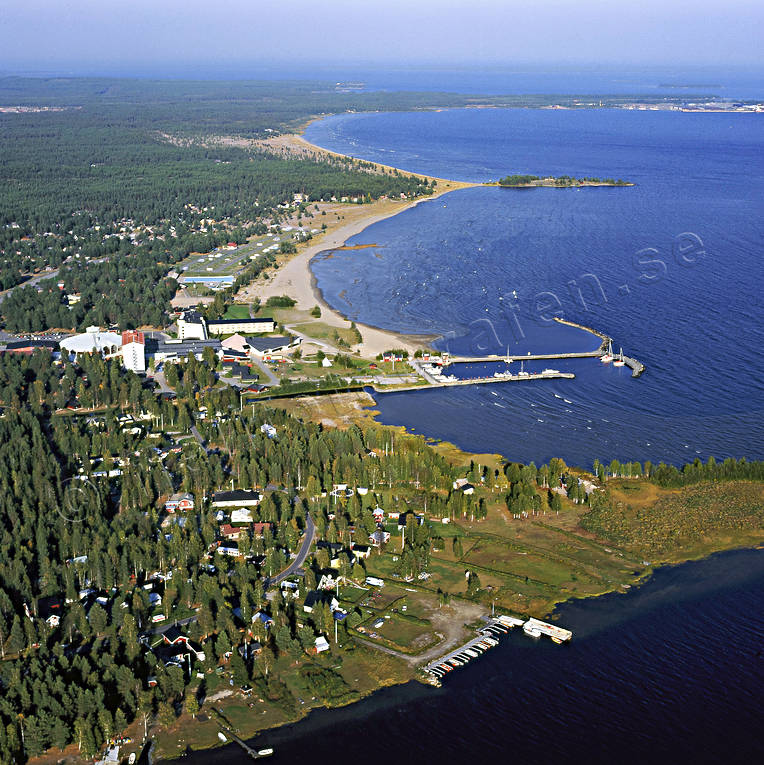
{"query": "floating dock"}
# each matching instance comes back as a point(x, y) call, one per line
point(255, 754)
point(536, 628)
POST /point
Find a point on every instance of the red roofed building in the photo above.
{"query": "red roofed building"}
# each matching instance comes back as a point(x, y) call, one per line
point(134, 351)
point(231, 532)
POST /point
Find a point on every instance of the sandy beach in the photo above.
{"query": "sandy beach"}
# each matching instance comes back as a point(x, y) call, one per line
point(294, 277)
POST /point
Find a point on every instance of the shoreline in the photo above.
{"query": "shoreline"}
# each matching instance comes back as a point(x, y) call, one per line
point(296, 279)
point(645, 579)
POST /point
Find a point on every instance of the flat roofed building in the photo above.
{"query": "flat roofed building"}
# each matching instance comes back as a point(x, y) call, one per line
point(236, 498)
point(177, 350)
point(192, 326)
point(229, 326)
point(29, 346)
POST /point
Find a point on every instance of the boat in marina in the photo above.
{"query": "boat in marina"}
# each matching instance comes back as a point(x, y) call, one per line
point(607, 357)
point(619, 362)
point(531, 631)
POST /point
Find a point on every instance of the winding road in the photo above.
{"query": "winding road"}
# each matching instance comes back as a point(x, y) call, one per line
point(295, 566)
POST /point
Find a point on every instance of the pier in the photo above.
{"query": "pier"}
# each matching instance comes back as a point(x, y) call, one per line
point(255, 754)
point(637, 367)
point(435, 382)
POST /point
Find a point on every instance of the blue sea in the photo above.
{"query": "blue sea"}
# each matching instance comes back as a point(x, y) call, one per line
point(670, 268)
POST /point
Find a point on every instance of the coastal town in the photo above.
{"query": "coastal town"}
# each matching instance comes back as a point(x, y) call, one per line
point(205, 531)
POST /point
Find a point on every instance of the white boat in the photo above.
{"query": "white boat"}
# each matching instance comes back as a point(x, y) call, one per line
point(607, 357)
point(522, 372)
point(265, 752)
point(550, 372)
point(531, 631)
point(222, 737)
point(619, 362)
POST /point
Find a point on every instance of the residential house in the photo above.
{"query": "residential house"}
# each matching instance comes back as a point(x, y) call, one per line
point(269, 430)
point(241, 515)
point(379, 537)
point(179, 502)
point(173, 636)
point(231, 532)
point(315, 597)
point(259, 528)
point(360, 551)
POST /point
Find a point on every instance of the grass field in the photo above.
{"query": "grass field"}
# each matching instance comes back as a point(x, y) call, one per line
point(674, 524)
point(237, 311)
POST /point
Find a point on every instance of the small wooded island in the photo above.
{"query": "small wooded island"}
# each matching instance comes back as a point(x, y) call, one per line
point(562, 181)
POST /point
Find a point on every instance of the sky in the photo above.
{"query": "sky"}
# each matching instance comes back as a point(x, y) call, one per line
point(144, 35)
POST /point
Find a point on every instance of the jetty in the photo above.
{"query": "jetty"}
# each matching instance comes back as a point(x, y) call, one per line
point(637, 367)
point(255, 754)
point(436, 382)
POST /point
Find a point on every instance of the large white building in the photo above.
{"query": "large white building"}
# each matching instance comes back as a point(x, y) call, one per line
point(193, 326)
point(93, 340)
point(231, 326)
point(134, 351)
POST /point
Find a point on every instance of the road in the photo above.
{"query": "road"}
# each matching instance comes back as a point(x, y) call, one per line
point(198, 436)
point(164, 627)
point(302, 554)
point(30, 282)
point(263, 367)
point(326, 347)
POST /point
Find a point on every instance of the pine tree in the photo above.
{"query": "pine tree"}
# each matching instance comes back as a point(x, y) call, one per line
point(17, 641)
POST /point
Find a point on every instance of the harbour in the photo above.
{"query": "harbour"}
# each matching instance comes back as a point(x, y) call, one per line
point(488, 638)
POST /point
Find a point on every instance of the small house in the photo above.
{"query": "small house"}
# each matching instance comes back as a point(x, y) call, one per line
point(379, 537)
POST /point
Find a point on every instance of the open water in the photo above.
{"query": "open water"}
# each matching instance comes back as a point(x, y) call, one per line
point(671, 268)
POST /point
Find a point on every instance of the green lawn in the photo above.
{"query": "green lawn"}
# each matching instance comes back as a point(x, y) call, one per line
point(237, 311)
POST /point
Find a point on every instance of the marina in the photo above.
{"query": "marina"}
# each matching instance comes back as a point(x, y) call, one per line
point(604, 353)
point(488, 637)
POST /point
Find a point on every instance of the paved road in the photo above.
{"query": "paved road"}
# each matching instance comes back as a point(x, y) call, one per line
point(296, 564)
point(161, 380)
point(263, 367)
point(30, 282)
point(198, 436)
point(327, 347)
